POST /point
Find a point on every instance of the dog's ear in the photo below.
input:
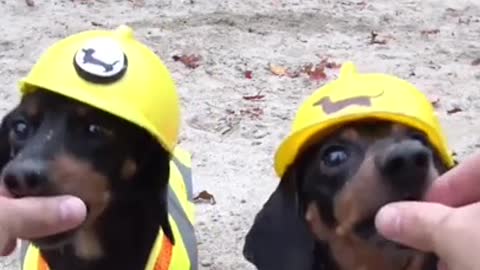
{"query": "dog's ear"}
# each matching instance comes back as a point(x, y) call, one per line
point(164, 222)
point(155, 174)
point(5, 149)
point(279, 238)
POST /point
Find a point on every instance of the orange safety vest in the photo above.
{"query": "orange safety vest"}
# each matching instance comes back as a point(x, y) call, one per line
point(162, 259)
point(164, 255)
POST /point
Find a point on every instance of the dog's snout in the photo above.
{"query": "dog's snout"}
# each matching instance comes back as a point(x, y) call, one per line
point(25, 178)
point(406, 163)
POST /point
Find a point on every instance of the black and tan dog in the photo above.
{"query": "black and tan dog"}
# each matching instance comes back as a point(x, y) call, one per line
point(134, 181)
point(338, 170)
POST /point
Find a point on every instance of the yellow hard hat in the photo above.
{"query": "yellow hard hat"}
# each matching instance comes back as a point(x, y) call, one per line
point(114, 72)
point(353, 97)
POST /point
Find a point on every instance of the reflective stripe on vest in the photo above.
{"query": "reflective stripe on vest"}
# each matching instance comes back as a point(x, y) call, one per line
point(164, 255)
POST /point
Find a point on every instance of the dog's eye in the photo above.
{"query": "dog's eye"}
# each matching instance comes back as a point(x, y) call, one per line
point(335, 156)
point(98, 130)
point(21, 129)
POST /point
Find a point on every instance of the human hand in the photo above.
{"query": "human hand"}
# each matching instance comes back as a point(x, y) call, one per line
point(447, 224)
point(28, 218)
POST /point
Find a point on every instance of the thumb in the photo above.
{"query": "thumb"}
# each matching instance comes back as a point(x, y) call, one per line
point(415, 224)
point(37, 217)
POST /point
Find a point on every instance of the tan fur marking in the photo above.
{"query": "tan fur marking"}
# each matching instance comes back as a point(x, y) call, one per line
point(399, 130)
point(312, 216)
point(31, 107)
point(360, 197)
point(350, 134)
point(129, 168)
point(81, 111)
point(78, 178)
point(86, 244)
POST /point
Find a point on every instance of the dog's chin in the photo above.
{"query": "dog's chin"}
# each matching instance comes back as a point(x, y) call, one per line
point(56, 241)
point(59, 240)
point(367, 230)
point(399, 253)
point(403, 255)
point(376, 239)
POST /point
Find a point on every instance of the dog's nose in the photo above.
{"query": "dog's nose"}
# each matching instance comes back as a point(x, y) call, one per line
point(25, 178)
point(406, 164)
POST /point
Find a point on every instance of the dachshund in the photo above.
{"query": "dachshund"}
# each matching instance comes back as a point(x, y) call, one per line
point(53, 145)
point(321, 215)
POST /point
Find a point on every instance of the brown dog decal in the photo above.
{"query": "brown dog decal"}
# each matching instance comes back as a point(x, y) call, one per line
point(330, 107)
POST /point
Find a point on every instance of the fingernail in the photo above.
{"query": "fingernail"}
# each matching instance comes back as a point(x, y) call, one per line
point(388, 221)
point(72, 209)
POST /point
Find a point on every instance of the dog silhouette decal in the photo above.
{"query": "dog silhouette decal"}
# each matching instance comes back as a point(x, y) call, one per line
point(330, 107)
point(88, 58)
point(101, 61)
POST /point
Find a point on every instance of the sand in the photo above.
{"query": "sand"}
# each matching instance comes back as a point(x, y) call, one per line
point(430, 43)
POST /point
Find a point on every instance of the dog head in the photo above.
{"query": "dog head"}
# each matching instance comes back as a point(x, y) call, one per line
point(53, 145)
point(323, 210)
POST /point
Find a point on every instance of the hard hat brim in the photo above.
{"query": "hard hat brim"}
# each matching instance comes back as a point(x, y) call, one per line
point(114, 107)
point(292, 146)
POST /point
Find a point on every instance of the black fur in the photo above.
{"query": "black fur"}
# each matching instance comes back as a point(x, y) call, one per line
point(279, 223)
point(5, 152)
point(138, 207)
point(280, 238)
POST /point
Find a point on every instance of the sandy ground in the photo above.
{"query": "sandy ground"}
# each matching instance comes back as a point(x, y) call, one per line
point(431, 43)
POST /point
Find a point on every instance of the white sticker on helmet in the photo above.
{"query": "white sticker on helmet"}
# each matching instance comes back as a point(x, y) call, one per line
point(102, 57)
